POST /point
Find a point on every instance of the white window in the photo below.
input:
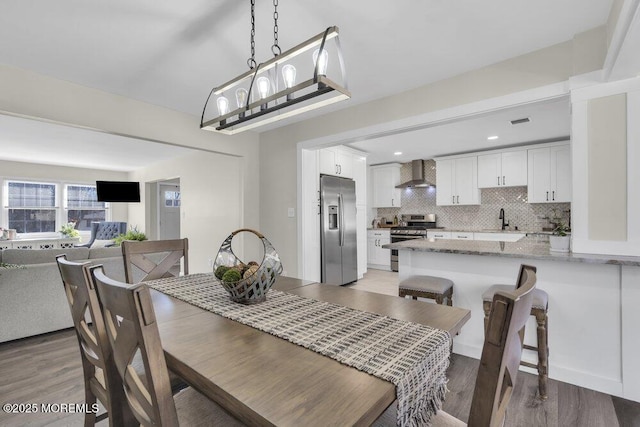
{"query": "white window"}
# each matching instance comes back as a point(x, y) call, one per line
point(172, 199)
point(31, 206)
point(83, 207)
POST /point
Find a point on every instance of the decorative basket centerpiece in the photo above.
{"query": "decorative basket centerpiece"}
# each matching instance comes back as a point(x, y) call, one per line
point(247, 283)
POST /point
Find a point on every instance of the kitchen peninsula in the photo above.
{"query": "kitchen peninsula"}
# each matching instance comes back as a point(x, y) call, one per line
point(593, 301)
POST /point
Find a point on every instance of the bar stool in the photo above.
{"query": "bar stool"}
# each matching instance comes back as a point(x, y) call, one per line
point(437, 288)
point(539, 310)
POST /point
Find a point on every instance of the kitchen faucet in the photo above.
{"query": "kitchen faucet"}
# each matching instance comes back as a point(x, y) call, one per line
point(502, 217)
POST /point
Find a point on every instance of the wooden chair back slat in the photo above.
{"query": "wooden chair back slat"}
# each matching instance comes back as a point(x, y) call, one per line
point(131, 328)
point(502, 351)
point(135, 256)
point(95, 350)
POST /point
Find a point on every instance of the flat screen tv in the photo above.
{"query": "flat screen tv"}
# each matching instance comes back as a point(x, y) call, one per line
point(118, 191)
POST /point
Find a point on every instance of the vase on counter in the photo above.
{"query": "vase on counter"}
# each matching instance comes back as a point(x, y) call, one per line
point(559, 243)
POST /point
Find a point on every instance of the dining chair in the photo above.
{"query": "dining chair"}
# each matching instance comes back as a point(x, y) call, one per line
point(155, 258)
point(540, 311)
point(131, 326)
point(499, 361)
point(105, 230)
point(101, 380)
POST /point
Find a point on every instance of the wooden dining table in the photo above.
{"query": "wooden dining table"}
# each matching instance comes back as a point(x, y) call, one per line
point(265, 380)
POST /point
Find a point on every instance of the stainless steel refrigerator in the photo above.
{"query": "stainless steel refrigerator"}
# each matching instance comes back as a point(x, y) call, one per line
point(339, 257)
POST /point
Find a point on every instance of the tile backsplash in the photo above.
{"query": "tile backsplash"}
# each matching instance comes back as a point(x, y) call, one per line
point(526, 216)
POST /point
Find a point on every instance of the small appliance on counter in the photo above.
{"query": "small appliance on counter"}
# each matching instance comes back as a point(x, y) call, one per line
point(414, 226)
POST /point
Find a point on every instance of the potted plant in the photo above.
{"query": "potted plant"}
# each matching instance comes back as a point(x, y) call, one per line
point(560, 240)
point(69, 230)
point(132, 234)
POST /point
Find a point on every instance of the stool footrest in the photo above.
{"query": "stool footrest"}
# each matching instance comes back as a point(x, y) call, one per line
point(529, 365)
point(530, 347)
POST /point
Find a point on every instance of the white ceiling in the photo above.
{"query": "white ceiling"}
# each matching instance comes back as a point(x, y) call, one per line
point(26, 140)
point(172, 53)
point(548, 121)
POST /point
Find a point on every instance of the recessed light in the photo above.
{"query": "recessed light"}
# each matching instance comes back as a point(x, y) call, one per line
point(492, 137)
point(397, 153)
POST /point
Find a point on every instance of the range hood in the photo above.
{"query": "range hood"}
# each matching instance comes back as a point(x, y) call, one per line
point(417, 176)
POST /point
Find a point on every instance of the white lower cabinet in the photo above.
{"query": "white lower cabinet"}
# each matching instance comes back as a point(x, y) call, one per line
point(377, 256)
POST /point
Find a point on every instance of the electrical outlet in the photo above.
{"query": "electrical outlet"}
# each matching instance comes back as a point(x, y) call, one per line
point(291, 212)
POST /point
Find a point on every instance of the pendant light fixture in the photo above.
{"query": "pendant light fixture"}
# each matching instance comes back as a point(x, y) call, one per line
point(268, 92)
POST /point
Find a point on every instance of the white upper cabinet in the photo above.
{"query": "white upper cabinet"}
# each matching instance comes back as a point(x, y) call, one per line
point(385, 178)
point(336, 161)
point(457, 182)
point(549, 174)
point(506, 169)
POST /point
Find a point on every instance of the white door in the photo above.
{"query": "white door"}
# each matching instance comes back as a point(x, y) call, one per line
point(169, 218)
point(466, 183)
point(490, 171)
point(539, 175)
point(444, 183)
point(514, 168)
point(560, 174)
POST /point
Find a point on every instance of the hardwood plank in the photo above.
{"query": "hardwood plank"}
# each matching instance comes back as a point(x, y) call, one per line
point(584, 408)
point(628, 412)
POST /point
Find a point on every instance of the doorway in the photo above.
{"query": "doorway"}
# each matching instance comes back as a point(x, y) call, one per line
point(169, 204)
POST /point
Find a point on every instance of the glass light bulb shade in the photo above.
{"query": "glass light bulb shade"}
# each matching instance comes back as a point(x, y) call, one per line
point(322, 59)
point(223, 105)
point(263, 84)
point(289, 75)
point(241, 97)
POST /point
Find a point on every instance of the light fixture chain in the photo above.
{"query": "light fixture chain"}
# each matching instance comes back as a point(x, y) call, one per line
point(251, 62)
point(275, 48)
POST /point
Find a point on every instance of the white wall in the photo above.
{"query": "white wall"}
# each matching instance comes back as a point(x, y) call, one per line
point(212, 203)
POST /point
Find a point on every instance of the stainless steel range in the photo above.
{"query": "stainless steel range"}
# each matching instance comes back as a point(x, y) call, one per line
point(413, 227)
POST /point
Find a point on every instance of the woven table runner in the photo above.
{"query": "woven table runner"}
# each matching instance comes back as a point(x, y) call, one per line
point(413, 357)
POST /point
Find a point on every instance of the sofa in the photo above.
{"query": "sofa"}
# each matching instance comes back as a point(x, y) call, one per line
point(32, 298)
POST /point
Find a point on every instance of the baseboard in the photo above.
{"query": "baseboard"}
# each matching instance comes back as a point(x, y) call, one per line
point(558, 373)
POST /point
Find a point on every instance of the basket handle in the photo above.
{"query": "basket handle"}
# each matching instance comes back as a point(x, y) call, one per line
point(257, 233)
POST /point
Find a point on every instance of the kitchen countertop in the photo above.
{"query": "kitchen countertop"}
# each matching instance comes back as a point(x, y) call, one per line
point(528, 247)
point(496, 230)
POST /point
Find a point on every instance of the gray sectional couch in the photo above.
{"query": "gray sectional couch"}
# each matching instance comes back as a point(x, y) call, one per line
point(32, 299)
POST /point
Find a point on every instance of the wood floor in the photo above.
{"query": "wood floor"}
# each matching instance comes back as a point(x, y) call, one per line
point(47, 369)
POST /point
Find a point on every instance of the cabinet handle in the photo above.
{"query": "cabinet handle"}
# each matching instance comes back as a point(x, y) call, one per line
point(502, 179)
point(392, 202)
point(547, 196)
point(458, 199)
point(553, 195)
point(498, 180)
point(462, 237)
point(340, 169)
point(453, 199)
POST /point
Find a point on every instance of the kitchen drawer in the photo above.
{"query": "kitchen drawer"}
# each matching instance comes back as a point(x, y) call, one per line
point(438, 234)
point(461, 235)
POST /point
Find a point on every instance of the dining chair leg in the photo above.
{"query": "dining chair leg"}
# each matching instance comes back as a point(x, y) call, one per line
point(543, 351)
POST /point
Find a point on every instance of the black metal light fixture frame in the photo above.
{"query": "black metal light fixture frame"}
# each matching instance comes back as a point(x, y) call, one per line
point(284, 103)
